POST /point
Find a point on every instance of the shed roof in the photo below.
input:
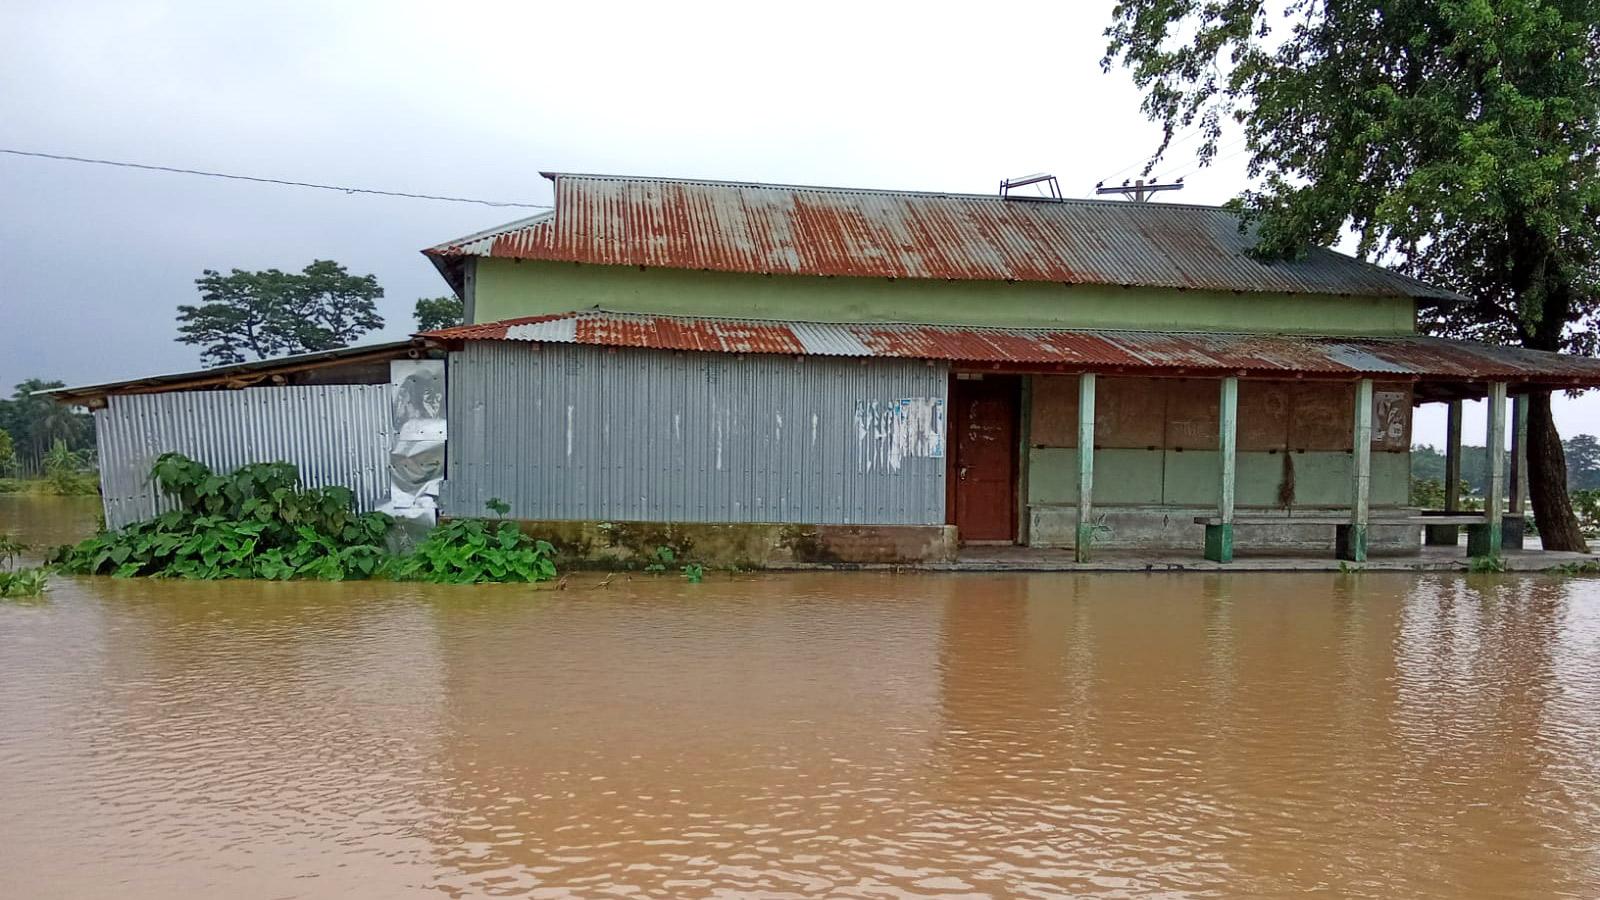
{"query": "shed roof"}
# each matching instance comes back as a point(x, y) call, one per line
point(236, 374)
point(1034, 349)
point(796, 230)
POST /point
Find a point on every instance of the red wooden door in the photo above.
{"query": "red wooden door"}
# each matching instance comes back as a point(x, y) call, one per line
point(983, 468)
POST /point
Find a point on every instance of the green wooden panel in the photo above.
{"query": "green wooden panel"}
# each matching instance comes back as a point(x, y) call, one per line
point(1322, 478)
point(1258, 479)
point(1391, 479)
point(1192, 478)
point(1127, 477)
point(1053, 475)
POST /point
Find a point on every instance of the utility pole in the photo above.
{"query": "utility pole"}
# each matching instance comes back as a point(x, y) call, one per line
point(1139, 191)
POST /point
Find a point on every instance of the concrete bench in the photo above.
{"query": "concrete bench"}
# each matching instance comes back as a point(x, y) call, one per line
point(1477, 529)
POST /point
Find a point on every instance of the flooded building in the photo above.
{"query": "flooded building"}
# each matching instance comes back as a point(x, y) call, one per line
point(799, 374)
point(932, 369)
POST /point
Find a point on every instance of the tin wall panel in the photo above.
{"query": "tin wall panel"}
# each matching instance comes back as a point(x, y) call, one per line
point(580, 433)
point(336, 434)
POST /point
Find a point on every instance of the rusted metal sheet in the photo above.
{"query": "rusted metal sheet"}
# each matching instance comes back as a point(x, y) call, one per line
point(1045, 350)
point(790, 230)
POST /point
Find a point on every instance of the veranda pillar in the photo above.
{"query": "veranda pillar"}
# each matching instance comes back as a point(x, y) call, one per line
point(1086, 391)
point(1219, 537)
point(1353, 537)
point(1486, 539)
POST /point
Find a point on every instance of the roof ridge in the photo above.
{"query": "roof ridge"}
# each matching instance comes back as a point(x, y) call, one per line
point(956, 326)
point(903, 192)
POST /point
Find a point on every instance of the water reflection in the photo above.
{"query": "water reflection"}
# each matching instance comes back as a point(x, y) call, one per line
point(819, 735)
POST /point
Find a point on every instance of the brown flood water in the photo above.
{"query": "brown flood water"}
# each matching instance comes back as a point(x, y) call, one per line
point(846, 735)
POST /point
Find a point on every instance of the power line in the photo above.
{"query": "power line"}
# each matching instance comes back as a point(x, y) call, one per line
point(1181, 139)
point(304, 184)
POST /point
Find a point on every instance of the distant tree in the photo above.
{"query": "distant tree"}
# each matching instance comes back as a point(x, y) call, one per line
point(1583, 465)
point(8, 454)
point(1458, 139)
point(1583, 462)
point(35, 423)
point(433, 313)
point(256, 315)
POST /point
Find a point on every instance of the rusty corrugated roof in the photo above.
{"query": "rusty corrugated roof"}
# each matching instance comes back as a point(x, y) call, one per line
point(1036, 349)
point(790, 230)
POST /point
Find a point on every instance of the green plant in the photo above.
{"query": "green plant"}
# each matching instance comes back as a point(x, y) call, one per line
point(473, 551)
point(10, 549)
point(695, 572)
point(255, 522)
point(1587, 567)
point(24, 582)
point(663, 557)
point(259, 522)
point(27, 582)
point(1484, 565)
point(498, 507)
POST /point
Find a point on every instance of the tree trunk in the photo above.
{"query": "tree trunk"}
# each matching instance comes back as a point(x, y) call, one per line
point(1547, 479)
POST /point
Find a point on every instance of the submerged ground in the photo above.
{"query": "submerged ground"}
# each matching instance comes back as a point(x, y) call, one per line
point(832, 734)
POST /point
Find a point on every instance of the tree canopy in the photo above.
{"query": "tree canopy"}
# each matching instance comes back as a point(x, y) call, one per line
point(257, 315)
point(1457, 139)
point(433, 313)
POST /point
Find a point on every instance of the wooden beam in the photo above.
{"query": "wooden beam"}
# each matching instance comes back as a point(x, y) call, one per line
point(1219, 537)
point(1085, 538)
point(1354, 546)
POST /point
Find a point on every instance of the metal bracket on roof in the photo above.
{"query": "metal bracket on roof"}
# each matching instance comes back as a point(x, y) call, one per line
point(1047, 182)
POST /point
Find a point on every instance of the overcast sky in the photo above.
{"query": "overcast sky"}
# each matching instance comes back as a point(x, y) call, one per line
point(474, 99)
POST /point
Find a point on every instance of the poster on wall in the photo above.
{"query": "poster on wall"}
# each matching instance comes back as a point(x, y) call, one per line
point(416, 461)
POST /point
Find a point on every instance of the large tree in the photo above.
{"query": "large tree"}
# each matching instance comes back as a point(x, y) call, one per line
point(256, 315)
point(1458, 140)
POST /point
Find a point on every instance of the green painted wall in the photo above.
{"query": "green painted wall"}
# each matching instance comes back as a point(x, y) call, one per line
point(507, 289)
point(1191, 478)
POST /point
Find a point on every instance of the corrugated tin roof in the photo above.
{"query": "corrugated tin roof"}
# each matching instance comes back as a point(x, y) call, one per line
point(1409, 356)
point(235, 372)
point(791, 230)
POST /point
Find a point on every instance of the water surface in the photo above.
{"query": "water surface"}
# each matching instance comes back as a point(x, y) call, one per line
point(804, 735)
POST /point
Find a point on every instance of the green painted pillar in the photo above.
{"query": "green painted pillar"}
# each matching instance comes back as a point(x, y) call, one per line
point(1489, 541)
point(1354, 546)
point(1219, 537)
point(1085, 467)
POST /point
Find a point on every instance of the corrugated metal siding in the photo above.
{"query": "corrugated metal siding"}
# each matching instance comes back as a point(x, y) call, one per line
point(1260, 354)
point(564, 432)
point(795, 230)
point(336, 434)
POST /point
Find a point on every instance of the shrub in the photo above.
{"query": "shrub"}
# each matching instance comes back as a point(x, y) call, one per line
point(473, 551)
point(255, 522)
point(259, 522)
point(23, 582)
